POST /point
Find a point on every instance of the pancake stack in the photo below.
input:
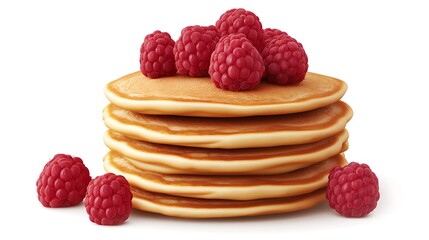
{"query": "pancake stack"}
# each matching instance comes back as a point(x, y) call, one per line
point(189, 149)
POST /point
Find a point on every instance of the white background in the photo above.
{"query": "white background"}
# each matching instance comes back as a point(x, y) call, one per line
point(56, 57)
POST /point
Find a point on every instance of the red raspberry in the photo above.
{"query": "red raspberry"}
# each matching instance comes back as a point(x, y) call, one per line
point(193, 49)
point(63, 181)
point(236, 64)
point(270, 33)
point(352, 190)
point(241, 21)
point(285, 60)
point(156, 55)
point(108, 199)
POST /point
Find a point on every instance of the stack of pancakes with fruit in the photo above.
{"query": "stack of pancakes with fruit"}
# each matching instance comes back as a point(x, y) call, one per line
point(197, 146)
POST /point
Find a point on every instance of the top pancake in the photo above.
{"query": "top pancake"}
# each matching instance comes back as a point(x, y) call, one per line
point(189, 96)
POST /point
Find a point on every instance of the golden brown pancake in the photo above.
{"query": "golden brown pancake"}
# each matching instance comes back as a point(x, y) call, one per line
point(188, 96)
point(185, 207)
point(245, 187)
point(171, 159)
point(229, 133)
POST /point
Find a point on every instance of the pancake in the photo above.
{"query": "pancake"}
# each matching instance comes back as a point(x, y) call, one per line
point(168, 170)
point(188, 96)
point(246, 187)
point(171, 159)
point(229, 133)
point(207, 208)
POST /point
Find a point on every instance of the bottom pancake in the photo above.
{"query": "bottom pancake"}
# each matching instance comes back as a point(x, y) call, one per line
point(185, 207)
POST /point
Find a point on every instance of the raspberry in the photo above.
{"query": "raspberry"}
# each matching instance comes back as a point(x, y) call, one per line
point(352, 190)
point(63, 181)
point(156, 55)
point(193, 49)
point(241, 21)
point(108, 199)
point(285, 60)
point(236, 64)
point(270, 33)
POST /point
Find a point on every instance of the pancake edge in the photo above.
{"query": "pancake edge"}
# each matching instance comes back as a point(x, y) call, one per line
point(206, 109)
point(243, 166)
point(223, 192)
point(171, 170)
point(183, 212)
point(229, 141)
